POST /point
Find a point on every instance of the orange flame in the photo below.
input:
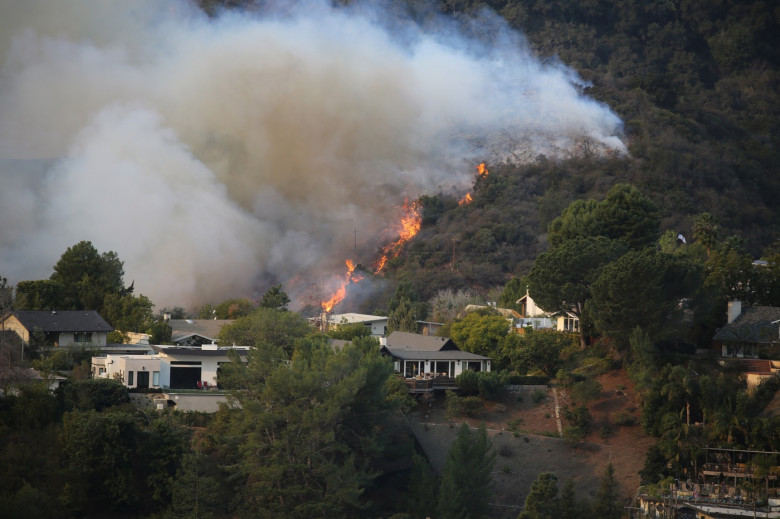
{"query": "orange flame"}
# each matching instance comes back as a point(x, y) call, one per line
point(482, 171)
point(410, 224)
point(341, 292)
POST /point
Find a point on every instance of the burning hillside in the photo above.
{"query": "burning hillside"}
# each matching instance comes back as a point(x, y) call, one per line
point(216, 155)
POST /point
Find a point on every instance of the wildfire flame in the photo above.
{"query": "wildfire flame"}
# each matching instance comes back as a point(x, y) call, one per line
point(482, 171)
point(341, 292)
point(410, 224)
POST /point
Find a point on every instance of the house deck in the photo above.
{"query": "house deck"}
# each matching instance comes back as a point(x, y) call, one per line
point(430, 383)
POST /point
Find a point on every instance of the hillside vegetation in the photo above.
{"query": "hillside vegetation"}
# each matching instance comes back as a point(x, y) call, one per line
point(696, 84)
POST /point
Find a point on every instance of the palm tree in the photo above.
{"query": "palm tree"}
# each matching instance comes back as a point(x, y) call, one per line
point(705, 229)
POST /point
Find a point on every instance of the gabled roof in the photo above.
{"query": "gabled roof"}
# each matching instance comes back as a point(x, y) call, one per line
point(416, 342)
point(434, 355)
point(754, 324)
point(63, 321)
point(356, 318)
point(206, 328)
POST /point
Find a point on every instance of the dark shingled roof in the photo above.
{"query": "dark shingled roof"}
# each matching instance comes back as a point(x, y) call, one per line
point(416, 342)
point(434, 355)
point(63, 321)
point(754, 324)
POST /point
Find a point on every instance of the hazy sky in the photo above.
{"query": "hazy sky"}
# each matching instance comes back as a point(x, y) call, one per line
point(219, 156)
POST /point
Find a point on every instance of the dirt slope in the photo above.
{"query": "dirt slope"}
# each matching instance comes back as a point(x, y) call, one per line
point(523, 435)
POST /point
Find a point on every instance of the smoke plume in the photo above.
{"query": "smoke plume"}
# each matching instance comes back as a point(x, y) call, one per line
point(217, 155)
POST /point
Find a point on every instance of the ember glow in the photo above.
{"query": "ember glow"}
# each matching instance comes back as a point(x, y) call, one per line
point(410, 224)
point(341, 292)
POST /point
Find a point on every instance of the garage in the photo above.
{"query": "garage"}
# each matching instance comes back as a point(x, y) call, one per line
point(185, 374)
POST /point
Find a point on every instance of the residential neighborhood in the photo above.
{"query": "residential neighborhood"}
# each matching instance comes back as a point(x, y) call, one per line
point(506, 259)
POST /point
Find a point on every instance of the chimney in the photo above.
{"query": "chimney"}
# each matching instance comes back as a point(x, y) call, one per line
point(734, 309)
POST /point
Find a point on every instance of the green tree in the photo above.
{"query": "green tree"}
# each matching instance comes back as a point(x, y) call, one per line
point(576, 221)
point(98, 449)
point(705, 230)
point(402, 318)
point(731, 274)
point(542, 499)
point(541, 349)
point(232, 309)
point(480, 332)
point(422, 489)
point(625, 214)
point(643, 289)
point(41, 294)
point(160, 332)
point(128, 313)
point(308, 428)
point(347, 331)
point(275, 298)
point(654, 469)
point(195, 491)
point(607, 503)
point(266, 326)
point(512, 291)
point(405, 309)
point(87, 276)
point(629, 216)
point(561, 278)
point(466, 478)
point(569, 507)
point(96, 394)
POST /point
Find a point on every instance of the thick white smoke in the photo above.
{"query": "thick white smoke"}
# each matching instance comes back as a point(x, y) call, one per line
point(217, 156)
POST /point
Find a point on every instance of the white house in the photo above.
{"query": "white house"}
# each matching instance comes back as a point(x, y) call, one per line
point(377, 324)
point(141, 371)
point(535, 317)
point(171, 367)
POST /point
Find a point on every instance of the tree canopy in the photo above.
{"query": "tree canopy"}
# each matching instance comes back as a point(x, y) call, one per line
point(87, 276)
point(561, 278)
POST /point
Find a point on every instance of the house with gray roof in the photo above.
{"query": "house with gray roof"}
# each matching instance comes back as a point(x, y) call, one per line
point(59, 327)
point(750, 331)
point(427, 357)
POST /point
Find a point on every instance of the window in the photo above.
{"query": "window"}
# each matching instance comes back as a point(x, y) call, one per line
point(129, 378)
point(155, 378)
point(82, 337)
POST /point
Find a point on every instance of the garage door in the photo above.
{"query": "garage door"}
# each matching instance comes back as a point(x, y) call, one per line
point(185, 377)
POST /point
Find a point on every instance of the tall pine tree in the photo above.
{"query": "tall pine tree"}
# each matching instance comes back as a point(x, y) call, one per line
point(466, 480)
